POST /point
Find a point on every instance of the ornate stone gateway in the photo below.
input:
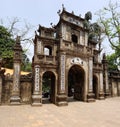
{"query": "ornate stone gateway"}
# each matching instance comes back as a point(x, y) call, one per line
point(68, 59)
point(66, 64)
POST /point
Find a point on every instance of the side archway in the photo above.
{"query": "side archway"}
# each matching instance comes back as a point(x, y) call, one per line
point(95, 86)
point(48, 87)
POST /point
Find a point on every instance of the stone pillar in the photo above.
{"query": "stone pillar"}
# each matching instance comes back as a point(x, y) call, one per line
point(37, 89)
point(90, 96)
point(101, 88)
point(61, 97)
point(105, 76)
point(15, 95)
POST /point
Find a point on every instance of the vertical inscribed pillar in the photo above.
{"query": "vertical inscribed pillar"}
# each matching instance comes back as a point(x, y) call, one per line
point(62, 74)
point(37, 90)
point(15, 95)
point(91, 96)
point(101, 88)
point(105, 76)
point(62, 98)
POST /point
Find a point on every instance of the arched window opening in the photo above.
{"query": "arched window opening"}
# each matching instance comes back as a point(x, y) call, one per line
point(47, 50)
point(74, 38)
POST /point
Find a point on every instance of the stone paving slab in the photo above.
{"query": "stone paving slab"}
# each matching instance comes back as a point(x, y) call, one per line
point(102, 113)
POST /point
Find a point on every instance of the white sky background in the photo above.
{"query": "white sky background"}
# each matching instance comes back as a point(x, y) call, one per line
point(44, 12)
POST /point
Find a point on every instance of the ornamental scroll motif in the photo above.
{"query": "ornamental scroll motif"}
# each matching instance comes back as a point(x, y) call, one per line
point(76, 60)
point(37, 79)
point(62, 73)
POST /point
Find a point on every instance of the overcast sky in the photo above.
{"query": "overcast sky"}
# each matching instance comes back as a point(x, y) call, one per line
point(44, 12)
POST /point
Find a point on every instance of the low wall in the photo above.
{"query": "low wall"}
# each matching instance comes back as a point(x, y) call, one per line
point(114, 83)
point(26, 85)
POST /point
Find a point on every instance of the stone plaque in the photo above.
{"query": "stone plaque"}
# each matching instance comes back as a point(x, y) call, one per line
point(90, 75)
point(76, 60)
point(39, 47)
point(62, 73)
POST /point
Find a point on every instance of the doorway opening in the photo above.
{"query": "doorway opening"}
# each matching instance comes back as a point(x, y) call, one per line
point(95, 86)
point(76, 77)
point(48, 87)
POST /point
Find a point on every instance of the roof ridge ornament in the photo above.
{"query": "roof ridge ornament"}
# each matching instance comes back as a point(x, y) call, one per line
point(63, 7)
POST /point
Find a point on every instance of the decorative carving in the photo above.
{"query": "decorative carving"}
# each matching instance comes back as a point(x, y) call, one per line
point(77, 60)
point(16, 77)
point(62, 73)
point(26, 92)
point(37, 79)
point(39, 47)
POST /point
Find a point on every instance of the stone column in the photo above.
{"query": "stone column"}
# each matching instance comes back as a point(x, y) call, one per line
point(105, 76)
point(101, 89)
point(61, 97)
point(90, 96)
point(15, 95)
point(37, 89)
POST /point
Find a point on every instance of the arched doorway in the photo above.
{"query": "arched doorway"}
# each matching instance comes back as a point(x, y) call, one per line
point(76, 81)
point(95, 86)
point(48, 87)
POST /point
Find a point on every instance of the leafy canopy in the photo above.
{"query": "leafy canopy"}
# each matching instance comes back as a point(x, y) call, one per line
point(6, 46)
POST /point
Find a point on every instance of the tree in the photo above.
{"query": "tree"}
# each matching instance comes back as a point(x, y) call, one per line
point(112, 63)
point(6, 47)
point(109, 19)
point(95, 30)
point(6, 50)
point(10, 32)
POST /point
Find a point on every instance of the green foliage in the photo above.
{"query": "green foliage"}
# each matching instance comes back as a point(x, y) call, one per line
point(112, 63)
point(26, 64)
point(6, 50)
point(6, 47)
point(109, 18)
point(46, 84)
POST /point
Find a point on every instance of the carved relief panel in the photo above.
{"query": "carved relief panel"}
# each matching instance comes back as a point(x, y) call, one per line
point(25, 92)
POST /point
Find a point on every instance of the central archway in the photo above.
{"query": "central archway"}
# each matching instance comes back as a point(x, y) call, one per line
point(48, 87)
point(76, 81)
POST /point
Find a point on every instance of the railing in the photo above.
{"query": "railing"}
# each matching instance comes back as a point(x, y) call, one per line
point(47, 59)
point(78, 49)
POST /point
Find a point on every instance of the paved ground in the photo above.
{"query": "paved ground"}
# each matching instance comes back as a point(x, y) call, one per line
point(105, 113)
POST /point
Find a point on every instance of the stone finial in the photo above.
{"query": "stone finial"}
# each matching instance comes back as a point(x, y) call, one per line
point(104, 56)
point(63, 7)
point(88, 16)
point(18, 39)
point(17, 44)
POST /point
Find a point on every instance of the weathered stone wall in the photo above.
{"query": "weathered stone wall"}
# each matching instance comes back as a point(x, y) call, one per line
point(25, 89)
point(114, 83)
